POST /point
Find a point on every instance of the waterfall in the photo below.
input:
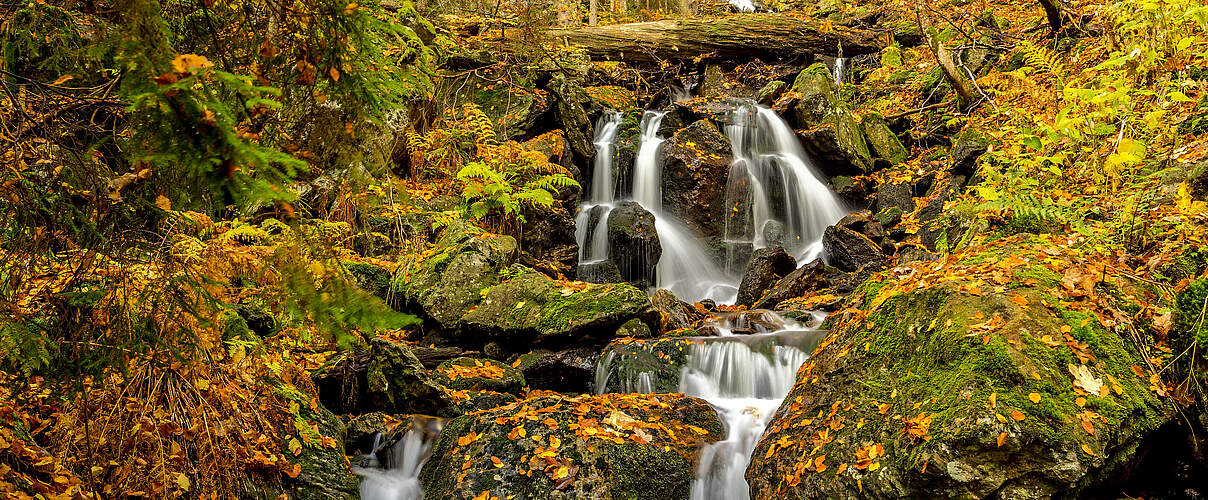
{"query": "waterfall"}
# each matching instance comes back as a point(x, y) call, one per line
point(743, 5)
point(744, 377)
point(840, 69)
point(593, 238)
point(606, 137)
point(399, 480)
point(783, 187)
point(647, 169)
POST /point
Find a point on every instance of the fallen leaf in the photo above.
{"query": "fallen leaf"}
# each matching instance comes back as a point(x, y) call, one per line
point(1084, 380)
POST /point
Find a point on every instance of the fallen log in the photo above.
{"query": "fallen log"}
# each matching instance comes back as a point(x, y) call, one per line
point(741, 35)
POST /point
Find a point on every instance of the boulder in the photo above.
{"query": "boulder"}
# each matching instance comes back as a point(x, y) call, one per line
point(606, 447)
point(678, 314)
point(470, 289)
point(882, 142)
point(696, 164)
point(566, 371)
point(469, 374)
point(571, 103)
point(926, 395)
point(602, 271)
point(848, 250)
point(899, 195)
point(832, 134)
point(712, 82)
point(967, 147)
point(771, 92)
point(548, 240)
point(811, 277)
point(383, 376)
point(642, 365)
point(325, 473)
point(766, 267)
point(633, 243)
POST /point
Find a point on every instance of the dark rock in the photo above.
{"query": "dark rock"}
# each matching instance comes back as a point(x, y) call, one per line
point(258, 320)
point(634, 328)
point(882, 142)
point(766, 267)
point(712, 82)
point(848, 188)
point(967, 147)
point(363, 430)
point(1197, 180)
point(847, 249)
point(889, 217)
point(655, 466)
point(696, 164)
point(634, 243)
point(898, 195)
point(679, 314)
point(384, 376)
point(473, 401)
point(651, 365)
point(547, 237)
point(773, 233)
point(923, 184)
point(469, 374)
point(604, 271)
point(914, 253)
point(808, 278)
point(566, 371)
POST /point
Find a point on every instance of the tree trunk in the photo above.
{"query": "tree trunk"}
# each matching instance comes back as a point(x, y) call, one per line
point(960, 82)
point(765, 35)
point(593, 13)
point(1053, 13)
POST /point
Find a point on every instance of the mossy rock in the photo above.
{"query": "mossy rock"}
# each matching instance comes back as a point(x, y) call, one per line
point(822, 107)
point(651, 365)
point(470, 287)
point(604, 447)
point(999, 406)
point(881, 140)
point(325, 472)
point(1191, 320)
point(466, 402)
point(382, 376)
point(470, 374)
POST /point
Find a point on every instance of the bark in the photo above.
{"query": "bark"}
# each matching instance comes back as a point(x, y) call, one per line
point(1053, 13)
point(735, 36)
point(960, 82)
point(593, 13)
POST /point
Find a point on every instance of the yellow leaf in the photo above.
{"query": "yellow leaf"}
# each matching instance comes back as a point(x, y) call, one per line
point(1088, 450)
point(334, 74)
point(1034, 397)
point(183, 481)
point(188, 63)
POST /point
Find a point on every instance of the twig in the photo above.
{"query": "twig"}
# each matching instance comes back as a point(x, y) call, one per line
point(919, 110)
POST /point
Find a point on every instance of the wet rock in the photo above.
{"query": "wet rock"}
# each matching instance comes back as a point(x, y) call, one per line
point(753, 321)
point(889, 217)
point(849, 188)
point(882, 142)
point(259, 321)
point(679, 314)
point(634, 328)
point(469, 401)
point(848, 250)
point(469, 374)
point(773, 233)
point(766, 267)
point(643, 461)
point(604, 271)
point(807, 278)
point(642, 365)
point(712, 82)
point(383, 376)
point(998, 417)
point(696, 164)
point(634, 243)
point(566, 371)
point(832, 135)
point(470, 288)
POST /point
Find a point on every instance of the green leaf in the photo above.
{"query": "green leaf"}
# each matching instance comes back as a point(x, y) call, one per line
point(1184, 43)
point(1176, 96)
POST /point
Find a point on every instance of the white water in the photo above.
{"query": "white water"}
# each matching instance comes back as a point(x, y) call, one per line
point(767, 151)
point(647, 169)
point(399, 480)
point(743, 5)
point(745, 377)
point(840, 70)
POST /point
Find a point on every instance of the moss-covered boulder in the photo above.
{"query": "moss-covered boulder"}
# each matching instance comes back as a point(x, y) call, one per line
point(324, 469)
point(571, 107)
point(566, 371)
point(961, 389)
point(634, 244)
point(833, 135)
point(468, 286)
point(606, 447)
point(382, 376)
point(471, 374)
point(882, 142)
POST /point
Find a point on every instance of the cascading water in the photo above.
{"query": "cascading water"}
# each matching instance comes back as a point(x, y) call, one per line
point(772, 173)
point(840, 70)
point(743, 5)
point(399, 480)
point(745, 377)
point(591, 224)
